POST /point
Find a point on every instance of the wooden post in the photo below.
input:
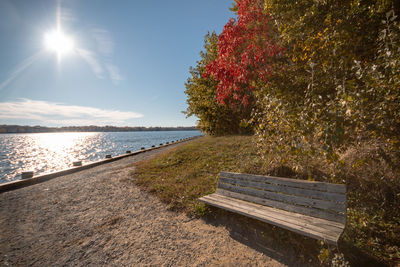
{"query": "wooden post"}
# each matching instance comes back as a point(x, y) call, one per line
point(77, 163)
point(27, 174)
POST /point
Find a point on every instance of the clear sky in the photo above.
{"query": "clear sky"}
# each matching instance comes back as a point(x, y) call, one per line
point(101, 62)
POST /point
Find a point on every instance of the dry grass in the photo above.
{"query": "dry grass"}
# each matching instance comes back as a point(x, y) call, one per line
point(372, 175)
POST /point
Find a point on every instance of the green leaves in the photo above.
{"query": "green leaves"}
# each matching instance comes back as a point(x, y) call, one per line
point(338, 81)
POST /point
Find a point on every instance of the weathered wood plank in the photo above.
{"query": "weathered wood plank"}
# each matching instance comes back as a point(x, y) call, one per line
point(321, 186)
point(313, 209)
point(317, 224)
point(241, 209)
point(284, 206)
point(293, 217)
point(326, 196)
point(294, 200)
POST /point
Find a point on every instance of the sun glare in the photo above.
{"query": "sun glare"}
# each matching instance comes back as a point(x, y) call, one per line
point(58, 42)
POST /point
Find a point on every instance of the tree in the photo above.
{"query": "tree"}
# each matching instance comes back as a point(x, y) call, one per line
point(245, 54)
point(214, 117)
point(333, 86)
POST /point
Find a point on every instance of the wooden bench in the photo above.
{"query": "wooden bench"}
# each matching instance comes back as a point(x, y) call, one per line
point(313, 209)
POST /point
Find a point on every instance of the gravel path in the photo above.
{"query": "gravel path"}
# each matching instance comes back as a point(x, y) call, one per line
point(99, 217)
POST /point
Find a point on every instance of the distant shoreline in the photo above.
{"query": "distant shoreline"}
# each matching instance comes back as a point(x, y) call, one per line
point(10, 129)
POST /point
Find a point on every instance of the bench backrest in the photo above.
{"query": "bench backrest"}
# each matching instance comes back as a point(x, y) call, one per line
point(316, 199)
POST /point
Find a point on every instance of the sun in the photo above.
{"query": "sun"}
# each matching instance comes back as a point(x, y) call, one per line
point(58, 42)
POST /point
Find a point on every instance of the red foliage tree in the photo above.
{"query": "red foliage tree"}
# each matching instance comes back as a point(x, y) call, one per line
point(245, 51)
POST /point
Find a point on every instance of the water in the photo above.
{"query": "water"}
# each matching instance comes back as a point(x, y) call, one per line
point(49, 152)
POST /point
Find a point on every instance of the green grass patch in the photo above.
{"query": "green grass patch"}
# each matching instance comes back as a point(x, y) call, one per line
point(183, 174)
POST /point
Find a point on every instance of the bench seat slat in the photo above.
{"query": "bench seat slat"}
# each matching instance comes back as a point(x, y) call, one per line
point(317, 225)
point(320, 197)
point(277, 217)
point(280, 205)
point(286, 199)
point(321, 186)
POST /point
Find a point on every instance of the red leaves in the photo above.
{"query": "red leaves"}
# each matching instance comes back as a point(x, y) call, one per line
point(245, 50)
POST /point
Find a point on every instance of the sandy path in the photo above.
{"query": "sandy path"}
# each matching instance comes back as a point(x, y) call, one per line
point(99, 217)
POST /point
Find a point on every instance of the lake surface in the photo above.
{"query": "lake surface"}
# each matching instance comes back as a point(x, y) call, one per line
point(49, 152)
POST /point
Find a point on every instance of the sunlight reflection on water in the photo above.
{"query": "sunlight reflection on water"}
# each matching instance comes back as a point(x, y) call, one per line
point(49, 152)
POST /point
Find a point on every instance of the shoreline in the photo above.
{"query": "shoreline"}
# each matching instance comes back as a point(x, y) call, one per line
point(99, 217)
point(20, 183)
point(26, 129)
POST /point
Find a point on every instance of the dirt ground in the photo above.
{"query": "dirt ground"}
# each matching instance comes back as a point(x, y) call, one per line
point(99, 217)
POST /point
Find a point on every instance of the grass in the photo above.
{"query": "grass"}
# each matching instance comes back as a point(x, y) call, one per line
point(183, 174)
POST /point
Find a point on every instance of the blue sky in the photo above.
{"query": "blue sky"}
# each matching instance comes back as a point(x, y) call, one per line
point(127, 67)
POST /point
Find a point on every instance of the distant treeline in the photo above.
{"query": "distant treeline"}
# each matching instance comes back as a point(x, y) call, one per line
point(43, 129)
